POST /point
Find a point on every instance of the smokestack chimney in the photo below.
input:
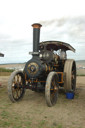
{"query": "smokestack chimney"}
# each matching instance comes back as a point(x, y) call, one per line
point(36, 36)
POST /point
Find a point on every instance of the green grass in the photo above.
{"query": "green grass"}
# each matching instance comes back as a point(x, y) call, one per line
point(80, 74)
point(41, 124)
point(59, 126)
point(8, 117)
point(6, 70)
point(12, 120)
point(4, 114)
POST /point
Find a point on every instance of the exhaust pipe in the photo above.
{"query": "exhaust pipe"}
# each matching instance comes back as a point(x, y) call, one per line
point(36, 37)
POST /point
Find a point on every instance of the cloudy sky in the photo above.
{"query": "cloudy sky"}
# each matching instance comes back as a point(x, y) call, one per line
point(62, 20)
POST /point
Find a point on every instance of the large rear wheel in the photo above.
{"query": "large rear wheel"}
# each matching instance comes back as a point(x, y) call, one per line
point(51, 89)
point(70, 79)
point(16, 84)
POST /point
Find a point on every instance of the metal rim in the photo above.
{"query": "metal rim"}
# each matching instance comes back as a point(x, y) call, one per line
point(16, 84)
point(51, 89)
point(70, 80)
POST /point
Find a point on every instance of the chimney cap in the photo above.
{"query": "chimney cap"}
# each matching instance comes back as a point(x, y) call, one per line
point(36, 25)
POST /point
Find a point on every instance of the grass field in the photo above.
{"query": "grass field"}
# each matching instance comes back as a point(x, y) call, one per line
point(81, 72)
point(32, 111)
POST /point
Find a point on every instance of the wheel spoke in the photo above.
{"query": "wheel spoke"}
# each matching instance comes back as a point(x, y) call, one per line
point(17, 78)
point(13, 91)
point(17, 90)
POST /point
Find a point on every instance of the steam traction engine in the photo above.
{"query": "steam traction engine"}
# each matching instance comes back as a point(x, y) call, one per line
point(46, 71)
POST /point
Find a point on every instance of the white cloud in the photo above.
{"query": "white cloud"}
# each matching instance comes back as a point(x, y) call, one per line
point(16, 17)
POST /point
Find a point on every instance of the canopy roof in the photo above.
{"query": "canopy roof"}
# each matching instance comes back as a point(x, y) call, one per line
point(1, 55)
point(56, 45)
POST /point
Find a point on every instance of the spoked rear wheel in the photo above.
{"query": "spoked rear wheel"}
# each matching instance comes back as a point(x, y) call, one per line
point(16, 84)
point(51, 89)
point(70, 80)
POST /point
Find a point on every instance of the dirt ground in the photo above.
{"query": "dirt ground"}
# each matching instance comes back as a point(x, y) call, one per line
point(32, 111)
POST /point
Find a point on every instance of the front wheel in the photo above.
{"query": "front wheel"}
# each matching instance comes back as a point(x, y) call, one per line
point(16, 84)
point(51, 89)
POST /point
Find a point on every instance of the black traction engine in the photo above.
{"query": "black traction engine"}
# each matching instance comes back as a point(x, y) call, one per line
point(48, 70)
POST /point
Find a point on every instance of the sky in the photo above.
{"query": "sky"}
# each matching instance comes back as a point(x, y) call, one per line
point(62, 20)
